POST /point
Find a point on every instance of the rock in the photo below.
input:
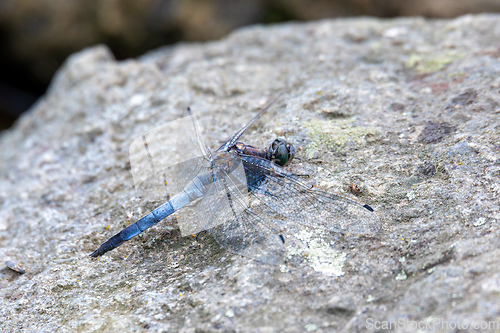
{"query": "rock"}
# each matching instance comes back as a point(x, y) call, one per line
point(65, 184)
point(38, 35)
point(434, 132)
point(464, 98)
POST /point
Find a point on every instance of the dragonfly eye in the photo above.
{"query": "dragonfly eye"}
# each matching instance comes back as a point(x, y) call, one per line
point(291, 151)
point(282, 151)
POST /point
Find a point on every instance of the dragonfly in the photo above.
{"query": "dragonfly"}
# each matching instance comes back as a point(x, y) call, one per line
point(245, 198)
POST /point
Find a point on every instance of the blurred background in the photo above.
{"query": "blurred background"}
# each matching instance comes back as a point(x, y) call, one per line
point(36, 36)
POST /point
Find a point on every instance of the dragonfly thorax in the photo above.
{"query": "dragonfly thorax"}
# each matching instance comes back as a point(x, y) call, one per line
point(279, 152)
point(225, 161)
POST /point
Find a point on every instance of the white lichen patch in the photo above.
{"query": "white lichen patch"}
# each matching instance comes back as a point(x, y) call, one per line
point(401, 276)
point(371, 298)
point(411, 195)
point(311, 327)
point(479, 222)
point(320, 255)
point(230, 313)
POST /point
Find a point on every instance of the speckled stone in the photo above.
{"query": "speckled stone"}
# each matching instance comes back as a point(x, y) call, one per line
point(408, 113)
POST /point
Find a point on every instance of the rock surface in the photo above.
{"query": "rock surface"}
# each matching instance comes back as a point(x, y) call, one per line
point(402, 113)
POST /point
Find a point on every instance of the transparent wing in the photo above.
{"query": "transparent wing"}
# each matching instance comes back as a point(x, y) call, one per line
point(232, 141)
point(225, 211)
point(227, 195)
point(251, 235)
point(289, 196)
point(167, 156)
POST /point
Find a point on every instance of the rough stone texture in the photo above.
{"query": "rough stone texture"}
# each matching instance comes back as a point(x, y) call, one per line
point(403, 113)
point(37, 36)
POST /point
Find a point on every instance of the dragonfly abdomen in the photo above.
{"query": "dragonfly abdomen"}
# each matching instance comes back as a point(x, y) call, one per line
point(195, 189)
point(133, 230)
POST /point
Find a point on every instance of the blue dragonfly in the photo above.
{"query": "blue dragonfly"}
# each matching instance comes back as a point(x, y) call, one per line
point(241, 194)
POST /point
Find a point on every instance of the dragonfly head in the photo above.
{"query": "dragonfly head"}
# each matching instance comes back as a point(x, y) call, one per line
point(281, 151)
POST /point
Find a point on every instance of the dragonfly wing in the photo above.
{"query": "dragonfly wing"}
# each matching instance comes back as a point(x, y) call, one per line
point(227, 177)
point(167, 156)
point(172, 154)
point(226, 213)
point(289, 196)
point(251, 235)
point(232, 141)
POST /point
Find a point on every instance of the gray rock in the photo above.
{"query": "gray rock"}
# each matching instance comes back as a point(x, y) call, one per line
point(65, 185)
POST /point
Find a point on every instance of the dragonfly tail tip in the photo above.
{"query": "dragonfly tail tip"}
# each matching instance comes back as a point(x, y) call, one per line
point(96, 253)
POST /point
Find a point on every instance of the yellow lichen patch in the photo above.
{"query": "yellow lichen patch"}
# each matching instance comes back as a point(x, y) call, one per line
point(334, 134)
point(428, 63)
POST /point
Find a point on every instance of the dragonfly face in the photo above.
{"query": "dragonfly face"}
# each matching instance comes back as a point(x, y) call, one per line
point(281, 152)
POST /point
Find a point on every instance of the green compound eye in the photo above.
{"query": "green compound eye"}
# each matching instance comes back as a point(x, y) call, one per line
point(282, 151)
point(281, 155)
